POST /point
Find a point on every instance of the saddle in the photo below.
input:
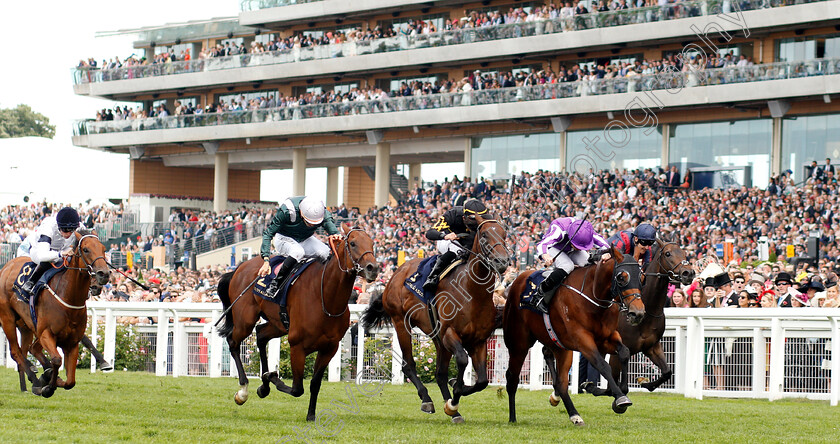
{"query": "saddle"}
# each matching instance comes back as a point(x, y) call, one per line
point(531, 287)
point(25, 271)
point(261, 286)
point(415, 282)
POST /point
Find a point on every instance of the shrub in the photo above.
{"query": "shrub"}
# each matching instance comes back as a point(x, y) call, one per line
point(132, 352)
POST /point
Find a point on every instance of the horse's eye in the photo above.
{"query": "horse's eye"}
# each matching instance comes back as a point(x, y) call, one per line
point(623, 278)
point(352, 244)
point(86, 250)
point(668, 254)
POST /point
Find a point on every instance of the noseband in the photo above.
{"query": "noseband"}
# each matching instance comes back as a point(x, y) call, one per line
point(356, 268)
point(670, 274)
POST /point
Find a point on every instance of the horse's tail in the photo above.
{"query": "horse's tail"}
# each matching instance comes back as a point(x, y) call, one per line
point(375, 315)
point(223, 290)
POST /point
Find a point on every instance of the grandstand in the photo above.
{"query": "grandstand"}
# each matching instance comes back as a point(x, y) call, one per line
point(748, 87)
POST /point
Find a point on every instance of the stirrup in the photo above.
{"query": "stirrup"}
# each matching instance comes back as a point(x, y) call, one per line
point(27, 287)
point(431, 284)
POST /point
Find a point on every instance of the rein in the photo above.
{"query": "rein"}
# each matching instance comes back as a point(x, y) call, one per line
point(350, 270)
point(614, 292)
point(670, 274)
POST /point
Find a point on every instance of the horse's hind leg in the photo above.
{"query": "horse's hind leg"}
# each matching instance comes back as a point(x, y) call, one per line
point(9, 329)
point(615, 365)
point(241, 395)
point(48, 342)
point(321, 362)
point(265, 333)
point(657, 356)
point(409, 368)
point(515, 361)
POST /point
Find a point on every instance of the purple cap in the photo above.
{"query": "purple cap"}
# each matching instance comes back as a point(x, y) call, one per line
point(581, 232)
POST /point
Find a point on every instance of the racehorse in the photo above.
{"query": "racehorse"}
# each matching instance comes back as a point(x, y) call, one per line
point(584, 314)
point(668, 265)
point(315, 324)
point(60, 311)
point(464, 312)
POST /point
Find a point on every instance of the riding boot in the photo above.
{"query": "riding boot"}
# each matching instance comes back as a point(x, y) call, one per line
point(542, 300)
point(33, 278)
point(274, 288)
point(442, 262)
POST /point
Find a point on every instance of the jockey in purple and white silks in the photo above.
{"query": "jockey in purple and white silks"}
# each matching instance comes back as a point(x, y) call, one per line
point(565, 246)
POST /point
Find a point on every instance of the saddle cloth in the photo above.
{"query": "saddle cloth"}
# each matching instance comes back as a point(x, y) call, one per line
point(25, 271)
point(261, 286)
point(531, 287)
point(415, 282)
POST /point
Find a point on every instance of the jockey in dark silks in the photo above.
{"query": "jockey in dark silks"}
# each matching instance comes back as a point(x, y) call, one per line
point(458, 220)
point(637, 243)
point(54, 241)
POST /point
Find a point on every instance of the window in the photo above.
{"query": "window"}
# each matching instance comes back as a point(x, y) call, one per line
point(393, 84)
point(316, 33)
point(809, 138)
point(341, 88)
point(243, 98)
point(265, 39)
point(617, 147)
point(403, 23)
point(496, 73)
point(808, 48)
point(500, 157)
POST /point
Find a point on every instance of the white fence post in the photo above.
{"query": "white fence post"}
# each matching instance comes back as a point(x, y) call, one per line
point(216, 348)
point(777, 359)
point(179, 347)
point(397, 376)
point(334, 367)
point(162, 343)
point(759, 362)
point(679, 360)
point(574, 379)
point(110, 336)
point(273, 354)
point(360, 355)
point(835, 361)
point(94, 338)
point(695, 358)
point(535, 379)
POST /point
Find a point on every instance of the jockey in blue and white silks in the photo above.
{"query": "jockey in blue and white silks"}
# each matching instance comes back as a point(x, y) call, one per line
point(51, 243)
point(565, 246)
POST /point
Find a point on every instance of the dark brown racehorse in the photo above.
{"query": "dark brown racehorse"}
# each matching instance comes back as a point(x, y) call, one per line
point(61, 313)
point(584, 315)
point(317, 305)
point(465, 316)
point(668, 265)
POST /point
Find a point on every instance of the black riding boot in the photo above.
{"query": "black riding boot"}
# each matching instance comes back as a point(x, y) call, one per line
point(274, 287)
point(33, 278)
point(442, 262)
point(542, 300)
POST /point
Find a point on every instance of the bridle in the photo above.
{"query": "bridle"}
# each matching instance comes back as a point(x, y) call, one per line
point(77, 252)
point(356, 268)
point(671, 273)
point(616, 287)
point(485, 252)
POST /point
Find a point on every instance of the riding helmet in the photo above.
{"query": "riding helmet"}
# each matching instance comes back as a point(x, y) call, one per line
point(312, 210)
point(646, 232)
point(68, 218)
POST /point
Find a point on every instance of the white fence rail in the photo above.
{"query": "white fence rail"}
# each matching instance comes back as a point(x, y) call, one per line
point(762, 353)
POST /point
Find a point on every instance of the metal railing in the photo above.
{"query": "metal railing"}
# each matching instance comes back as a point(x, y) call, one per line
point(738, 353)
point(668, 80)
point(651, 14)
point(256, 5)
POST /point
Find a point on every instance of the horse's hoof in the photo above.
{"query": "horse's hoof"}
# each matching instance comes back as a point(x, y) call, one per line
point(427, 407)
point(47, 391)
point(311, 418)
point(263, 391)
point(36, 390)
point(449, 408)
point(106, 367)
point(553, 400)
point(241, 395)
point(577, 420)
point(586, 387)
point(458, 419)
point(620, 404)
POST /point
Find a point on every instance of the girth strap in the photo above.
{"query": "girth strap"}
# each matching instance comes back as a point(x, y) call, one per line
point(551, 333)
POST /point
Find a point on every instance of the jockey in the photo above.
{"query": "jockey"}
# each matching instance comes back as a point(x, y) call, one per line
point(53, 241)
point(458, 220)
point(292, 230)
point(638, 242)
point(564, 247)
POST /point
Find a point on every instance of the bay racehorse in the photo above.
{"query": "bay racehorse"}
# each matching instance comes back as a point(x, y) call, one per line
point(464, 312)
point(317, 305)
point(60, 311)
point(668, 265)
point(583, 316)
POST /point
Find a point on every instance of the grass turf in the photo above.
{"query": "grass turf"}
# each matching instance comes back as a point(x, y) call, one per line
point(139, 407)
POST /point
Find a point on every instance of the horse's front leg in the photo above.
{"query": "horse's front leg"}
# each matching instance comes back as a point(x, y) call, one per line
point(657, 356)
point(71, 357)
point(48, 342)
point(321, 362)
point(452, 344)
point(591, 352)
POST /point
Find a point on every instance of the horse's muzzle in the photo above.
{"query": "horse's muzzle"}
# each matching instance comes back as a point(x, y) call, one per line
point(635, 317)
point(370, 272)
point(687, 276)
point(102, 276)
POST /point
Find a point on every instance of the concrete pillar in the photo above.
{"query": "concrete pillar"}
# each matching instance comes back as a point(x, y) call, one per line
point(220, 183)
point(299, 172)
point(468, 158)
point(562, 149)
point(414, 179)
point(666, 145)
point(332, 186)
point(776, 148)
point(382, 179)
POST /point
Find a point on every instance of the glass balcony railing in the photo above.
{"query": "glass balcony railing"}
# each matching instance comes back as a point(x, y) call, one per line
point(456, 37)
point(671, 81)
point(256, 5)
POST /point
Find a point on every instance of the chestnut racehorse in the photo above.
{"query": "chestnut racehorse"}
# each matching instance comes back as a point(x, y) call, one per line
point(317, 304)
point(61, 314)
point(668, 265)
point(584, 315)
point(466, 316)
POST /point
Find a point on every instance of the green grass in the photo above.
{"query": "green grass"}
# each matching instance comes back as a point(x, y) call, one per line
point(139, 407)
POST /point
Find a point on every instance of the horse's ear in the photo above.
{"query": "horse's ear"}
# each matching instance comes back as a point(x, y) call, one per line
point(345, 228)
point(616, 253)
